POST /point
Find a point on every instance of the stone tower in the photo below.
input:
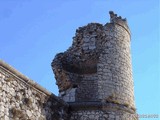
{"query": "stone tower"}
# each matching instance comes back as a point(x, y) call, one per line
point(95, 74)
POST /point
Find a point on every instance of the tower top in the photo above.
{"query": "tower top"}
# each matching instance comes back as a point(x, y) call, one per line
point(118, 20)
point(115, 18)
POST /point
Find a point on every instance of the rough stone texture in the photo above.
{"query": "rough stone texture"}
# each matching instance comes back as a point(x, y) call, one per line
point(100, 111)
point(94, 77)
point(97, 68)
point(23, 99)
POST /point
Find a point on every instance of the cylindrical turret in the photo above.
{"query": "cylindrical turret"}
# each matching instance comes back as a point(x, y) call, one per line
point(115, 83)
point(95, 74)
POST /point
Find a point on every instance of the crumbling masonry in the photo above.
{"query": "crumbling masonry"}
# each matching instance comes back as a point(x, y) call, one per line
point(94, 77)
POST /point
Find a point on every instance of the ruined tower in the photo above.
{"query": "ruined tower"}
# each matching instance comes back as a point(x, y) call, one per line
point(95, 74)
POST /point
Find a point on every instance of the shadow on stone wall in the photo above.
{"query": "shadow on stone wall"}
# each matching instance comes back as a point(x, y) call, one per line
point(59, 109)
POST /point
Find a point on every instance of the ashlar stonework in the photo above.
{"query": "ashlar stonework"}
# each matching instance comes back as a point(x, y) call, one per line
point(94, 77)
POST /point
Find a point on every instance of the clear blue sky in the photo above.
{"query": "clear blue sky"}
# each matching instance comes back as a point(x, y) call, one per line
point(33, 31)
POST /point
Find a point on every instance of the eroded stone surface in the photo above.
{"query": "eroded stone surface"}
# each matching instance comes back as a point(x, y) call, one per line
point(97, 65)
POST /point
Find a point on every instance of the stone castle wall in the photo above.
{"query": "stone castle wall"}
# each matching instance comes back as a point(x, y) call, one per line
point(100, 111)
point(23, 99)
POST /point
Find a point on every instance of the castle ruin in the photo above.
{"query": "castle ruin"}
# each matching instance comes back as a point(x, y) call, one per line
point(94, 77)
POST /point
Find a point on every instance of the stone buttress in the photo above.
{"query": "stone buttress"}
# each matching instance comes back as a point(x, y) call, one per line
point(95, 74)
